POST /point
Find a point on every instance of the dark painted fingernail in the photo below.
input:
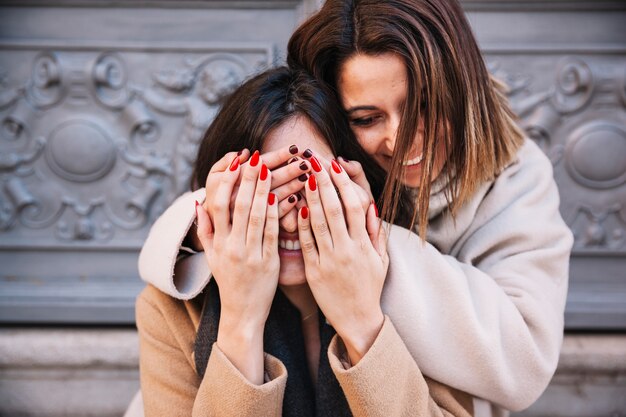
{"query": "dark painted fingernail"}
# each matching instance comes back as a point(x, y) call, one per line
point(263, 175)
point(292, 160)
point(303, 177)
point(255, 159)
point(298, 196)
point(239, 153)
point(345, 160)
point(293, 149)
point(316, 165)
point(303, 166)
point(336, 167)
point(304, 212)
point(312, 183)
point(292, 199)
point(307, 153)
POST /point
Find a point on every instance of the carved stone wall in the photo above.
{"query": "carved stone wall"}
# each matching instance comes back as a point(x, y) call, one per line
point(100, 118)
point(98, 131)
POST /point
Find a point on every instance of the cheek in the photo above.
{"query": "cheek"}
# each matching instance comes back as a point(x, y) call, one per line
point(368, 140)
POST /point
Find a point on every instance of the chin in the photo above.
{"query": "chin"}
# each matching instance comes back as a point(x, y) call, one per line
point(291, 272)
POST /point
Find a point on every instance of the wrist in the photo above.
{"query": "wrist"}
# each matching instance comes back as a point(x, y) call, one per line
point(359, 338)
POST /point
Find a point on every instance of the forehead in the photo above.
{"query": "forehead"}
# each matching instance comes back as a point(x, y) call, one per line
point(297, 130)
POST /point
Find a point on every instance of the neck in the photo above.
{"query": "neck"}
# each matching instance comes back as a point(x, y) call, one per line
point(301, 297)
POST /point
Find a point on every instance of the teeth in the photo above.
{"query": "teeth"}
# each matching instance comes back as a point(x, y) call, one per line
point(414, 161)
point(289, 244)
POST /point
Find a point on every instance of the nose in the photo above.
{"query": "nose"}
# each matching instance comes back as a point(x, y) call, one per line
point(391, 133)
point(289, 222)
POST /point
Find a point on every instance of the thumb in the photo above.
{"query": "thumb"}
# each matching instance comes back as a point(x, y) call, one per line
point(204, 228)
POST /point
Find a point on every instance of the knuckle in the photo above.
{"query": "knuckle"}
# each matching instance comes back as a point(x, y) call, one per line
point(335, 212)
point(256, 220)
point(320, 229)
point(241, 208)
point(307, 246)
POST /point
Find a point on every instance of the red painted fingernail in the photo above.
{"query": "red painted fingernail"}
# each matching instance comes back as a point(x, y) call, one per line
point(293, 149)
point(196, 208)
point(304, 212)
point(375, 208)
point(234, 164)
point(336, 167)
point(316, 165)
point(312, 183)
point(292, 199)
point(271, 198)
point(255, 159)
point(307, 153)
point(263, 175)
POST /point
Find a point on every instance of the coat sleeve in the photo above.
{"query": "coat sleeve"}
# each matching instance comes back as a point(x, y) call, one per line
point(388, 382)
point(488, 320)
point(170, 385)
point(163, 263)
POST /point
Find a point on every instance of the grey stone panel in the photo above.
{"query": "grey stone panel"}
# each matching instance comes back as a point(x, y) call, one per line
point(102, 104)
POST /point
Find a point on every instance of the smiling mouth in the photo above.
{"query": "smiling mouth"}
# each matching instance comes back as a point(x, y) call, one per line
point(289, 244)
point(413, 161)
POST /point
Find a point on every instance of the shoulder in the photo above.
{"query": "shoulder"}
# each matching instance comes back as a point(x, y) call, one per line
point(153, 308)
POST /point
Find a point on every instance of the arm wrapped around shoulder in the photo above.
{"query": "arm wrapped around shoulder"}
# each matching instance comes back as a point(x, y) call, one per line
point(482, 311)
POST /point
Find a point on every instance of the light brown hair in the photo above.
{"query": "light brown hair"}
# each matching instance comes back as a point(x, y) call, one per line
point(448, 85)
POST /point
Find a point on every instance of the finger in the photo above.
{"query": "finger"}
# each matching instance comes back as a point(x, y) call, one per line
point(287, 204)
point(225, 161)
point(278, 157)
point(204, 229)
point(305, 236)
point(220, 205)
point(354, 214)
point(317, 218)
point(270, 234)
point(331, 205)
point(245, 196)
point(292, 187)
point(258, 211)
point(356, 174)
point(374, 228)
point(290, 172)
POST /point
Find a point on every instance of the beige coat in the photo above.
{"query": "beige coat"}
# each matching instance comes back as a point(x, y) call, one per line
point(480, 306)
point(386, 382)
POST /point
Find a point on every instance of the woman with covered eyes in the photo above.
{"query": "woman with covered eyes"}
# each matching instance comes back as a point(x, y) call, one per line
point(478, 252)
point(275, 332)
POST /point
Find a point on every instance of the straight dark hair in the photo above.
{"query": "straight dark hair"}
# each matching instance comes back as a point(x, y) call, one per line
point(448, 86)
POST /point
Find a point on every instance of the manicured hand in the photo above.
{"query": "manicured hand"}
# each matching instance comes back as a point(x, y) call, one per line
point(242, 252)
point(345, 257)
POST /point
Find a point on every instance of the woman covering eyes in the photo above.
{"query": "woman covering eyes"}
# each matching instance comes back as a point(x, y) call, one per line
point(478, 252)
point(255, 343)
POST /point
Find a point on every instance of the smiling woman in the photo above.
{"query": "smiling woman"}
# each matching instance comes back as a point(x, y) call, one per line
point(275, 332)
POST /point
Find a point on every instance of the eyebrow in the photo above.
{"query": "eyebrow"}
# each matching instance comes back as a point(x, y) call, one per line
point(357, 108)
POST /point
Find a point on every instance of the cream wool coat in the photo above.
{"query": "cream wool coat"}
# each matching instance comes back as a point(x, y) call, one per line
point(479, 306)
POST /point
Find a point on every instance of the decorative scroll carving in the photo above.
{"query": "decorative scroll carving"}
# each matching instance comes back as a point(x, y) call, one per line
point(98, 143)
point(580, 122)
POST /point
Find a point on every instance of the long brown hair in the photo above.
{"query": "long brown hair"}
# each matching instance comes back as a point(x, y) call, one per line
point(266, 101)
point(461, 104)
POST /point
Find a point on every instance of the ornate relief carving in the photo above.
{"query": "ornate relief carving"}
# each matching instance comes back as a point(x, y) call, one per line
point(580, 122)
point(95, 144)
